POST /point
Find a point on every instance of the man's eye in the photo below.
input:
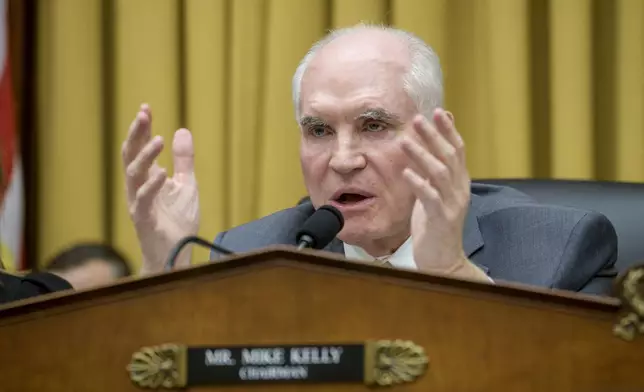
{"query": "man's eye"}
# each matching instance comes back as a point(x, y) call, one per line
point(374, 127)
point(318, 131)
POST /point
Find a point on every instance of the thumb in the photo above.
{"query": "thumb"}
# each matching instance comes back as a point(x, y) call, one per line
point(183, 152)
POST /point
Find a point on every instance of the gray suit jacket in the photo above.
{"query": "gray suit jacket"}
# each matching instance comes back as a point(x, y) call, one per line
point(509, 235)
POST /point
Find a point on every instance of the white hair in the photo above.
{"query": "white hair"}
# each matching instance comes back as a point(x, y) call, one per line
point(423, 81)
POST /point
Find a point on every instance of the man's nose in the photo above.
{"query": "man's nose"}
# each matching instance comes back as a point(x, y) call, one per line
point(347, 157)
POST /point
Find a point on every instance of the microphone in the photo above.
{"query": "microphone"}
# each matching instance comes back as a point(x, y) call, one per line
point(320, 228)
point(317, 232)
point(172, 259)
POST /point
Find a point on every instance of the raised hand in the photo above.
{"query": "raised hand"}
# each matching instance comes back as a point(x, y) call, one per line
point(163, 209)
point(440, 180)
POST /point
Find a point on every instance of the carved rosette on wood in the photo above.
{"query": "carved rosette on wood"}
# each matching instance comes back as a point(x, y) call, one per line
point(394, 362)
point(630, 289)
point(159, 367)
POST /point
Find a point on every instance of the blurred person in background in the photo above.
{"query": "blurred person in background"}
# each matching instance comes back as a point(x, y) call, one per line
point(89, 265)
point(81, 266)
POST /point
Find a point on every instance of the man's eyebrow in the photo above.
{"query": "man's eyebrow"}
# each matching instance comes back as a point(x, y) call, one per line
point(379, 114)
point(308, 121)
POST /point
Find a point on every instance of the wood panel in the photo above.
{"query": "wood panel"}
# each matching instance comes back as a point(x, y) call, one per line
point(478, 337)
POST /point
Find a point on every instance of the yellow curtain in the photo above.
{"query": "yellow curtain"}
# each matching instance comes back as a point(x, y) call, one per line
point(539, 89)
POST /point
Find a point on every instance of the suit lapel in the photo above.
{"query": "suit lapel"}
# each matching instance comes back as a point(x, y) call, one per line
point(472, 237)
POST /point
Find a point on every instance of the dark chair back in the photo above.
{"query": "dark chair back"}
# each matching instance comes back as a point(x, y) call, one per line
point(622, 203)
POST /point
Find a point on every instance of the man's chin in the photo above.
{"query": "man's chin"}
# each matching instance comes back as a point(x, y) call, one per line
point(357, 235)
point(366, 231)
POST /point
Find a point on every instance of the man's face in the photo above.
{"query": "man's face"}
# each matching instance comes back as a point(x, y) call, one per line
point(353, 111)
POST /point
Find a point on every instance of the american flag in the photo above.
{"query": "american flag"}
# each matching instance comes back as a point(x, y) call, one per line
point(11, 176)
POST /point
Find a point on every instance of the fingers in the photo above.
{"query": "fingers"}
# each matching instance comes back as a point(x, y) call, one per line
point(183, 154)
point(445, 125)
point(438, 156)
point(137, 171)
point(146, 194)
point(424, 192)
point(146, 108)
point(435, 142)
point(138, 135)
point(429, 167)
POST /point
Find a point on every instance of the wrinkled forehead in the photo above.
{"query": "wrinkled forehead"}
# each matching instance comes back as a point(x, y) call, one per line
point(349, 88)
point(346, 79)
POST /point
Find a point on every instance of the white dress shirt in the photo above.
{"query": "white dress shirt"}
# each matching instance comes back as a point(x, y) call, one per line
point(402, 258)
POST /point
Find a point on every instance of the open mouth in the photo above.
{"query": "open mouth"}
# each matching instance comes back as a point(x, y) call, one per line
point(351, 198)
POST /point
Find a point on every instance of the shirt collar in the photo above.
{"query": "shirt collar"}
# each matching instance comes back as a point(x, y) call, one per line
point(403, 257)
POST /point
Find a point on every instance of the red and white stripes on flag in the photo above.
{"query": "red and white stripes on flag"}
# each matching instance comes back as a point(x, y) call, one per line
point(11, 178)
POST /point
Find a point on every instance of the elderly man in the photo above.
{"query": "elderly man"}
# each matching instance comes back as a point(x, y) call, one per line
point(376, 144)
